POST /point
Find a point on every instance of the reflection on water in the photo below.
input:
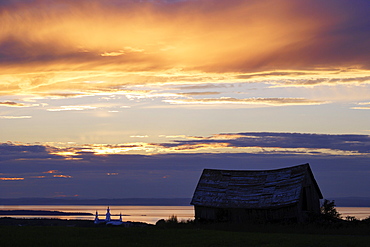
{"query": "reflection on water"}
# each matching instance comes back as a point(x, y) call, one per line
point(148, 214)
point(360, 212)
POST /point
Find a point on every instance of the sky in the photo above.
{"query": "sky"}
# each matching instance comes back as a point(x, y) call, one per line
point(120, 99)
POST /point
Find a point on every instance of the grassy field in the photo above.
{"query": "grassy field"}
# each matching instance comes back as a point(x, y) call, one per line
point(158, 236)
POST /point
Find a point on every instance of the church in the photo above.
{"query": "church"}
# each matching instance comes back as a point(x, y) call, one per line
point(108, 220)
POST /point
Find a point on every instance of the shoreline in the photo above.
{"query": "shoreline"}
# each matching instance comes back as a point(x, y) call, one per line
point(180, 201)
point(41, 213)
point(10, 221)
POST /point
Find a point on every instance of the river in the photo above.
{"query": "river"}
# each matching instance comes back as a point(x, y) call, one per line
point(148, 214)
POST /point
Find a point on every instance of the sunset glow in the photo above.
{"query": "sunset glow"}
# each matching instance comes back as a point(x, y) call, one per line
point(144, 90)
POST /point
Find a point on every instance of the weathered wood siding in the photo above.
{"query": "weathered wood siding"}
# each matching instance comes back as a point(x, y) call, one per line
point(284, 194)
point(240, 215)
point(310, 198)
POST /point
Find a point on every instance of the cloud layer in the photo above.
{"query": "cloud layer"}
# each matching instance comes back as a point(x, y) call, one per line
point(339, 162)
point(250, 101)
point(48, 46)
point(139, 34)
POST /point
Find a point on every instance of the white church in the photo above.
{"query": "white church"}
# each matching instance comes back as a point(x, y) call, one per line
point(108, 220)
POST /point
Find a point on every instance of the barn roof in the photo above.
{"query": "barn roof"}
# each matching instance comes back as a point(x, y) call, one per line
point(251, 189)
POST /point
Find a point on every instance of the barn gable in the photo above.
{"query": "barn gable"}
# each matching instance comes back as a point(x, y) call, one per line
point(258, 190)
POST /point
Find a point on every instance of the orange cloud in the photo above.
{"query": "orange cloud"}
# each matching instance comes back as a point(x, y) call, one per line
point(62, 176)
point(14, 117)
point(51, 171)
point(49, 49)
point(252, 143)
point(11, 179)
point(37, 177)
point(362, 106)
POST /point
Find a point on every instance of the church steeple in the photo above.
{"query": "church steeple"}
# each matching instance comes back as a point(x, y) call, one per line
point(96, 221)
point(107, 215)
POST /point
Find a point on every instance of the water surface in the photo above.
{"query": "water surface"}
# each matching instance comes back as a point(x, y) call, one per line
point(148, 214)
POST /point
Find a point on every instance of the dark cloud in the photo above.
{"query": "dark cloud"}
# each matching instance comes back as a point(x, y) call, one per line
point(354, 143)
point(269, 74)
point(248, 101)
point(312, 82)
point(15, 51)
point(22, 151)
point(198, 93)
point(176, 175)
point(12, 104)
point(280, 78)
point(205, 86)
point(12, 153)
point(63, 95)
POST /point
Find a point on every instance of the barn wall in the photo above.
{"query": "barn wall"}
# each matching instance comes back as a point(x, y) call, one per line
point(310, 198)
point(241, 215)
point(288, 213)
point(204, 213)
point(284, 194)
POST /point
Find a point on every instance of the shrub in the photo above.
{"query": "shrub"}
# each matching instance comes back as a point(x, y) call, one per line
point(351, 218)
point(172, 219)
point(328, 209)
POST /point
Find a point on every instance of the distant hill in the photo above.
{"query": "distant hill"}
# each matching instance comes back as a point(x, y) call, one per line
point(339, 201)
point(103, 201)
point(40, 212)
point(351, 201)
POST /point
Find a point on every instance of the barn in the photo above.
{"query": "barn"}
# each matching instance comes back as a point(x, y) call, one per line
point(287, 194)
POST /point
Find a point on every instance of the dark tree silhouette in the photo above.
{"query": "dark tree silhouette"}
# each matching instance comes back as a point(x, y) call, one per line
point(328, 209)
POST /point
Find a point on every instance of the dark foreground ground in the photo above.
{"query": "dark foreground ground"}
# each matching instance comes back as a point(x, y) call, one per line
point(84, 233)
